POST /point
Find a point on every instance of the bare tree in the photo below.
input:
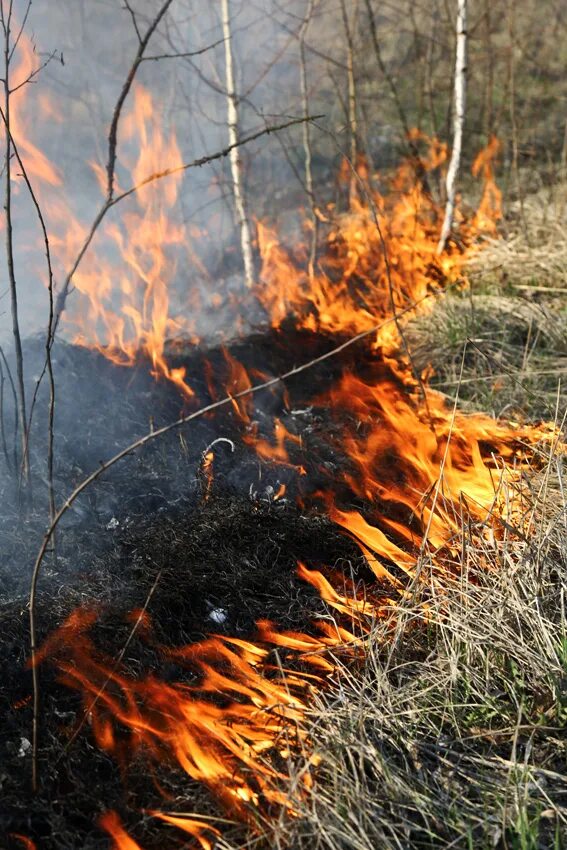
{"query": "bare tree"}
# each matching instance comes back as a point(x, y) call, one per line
point(233, 137)
point(352, 118)
point(6, 19)
point(458, 122)
point(308, 154)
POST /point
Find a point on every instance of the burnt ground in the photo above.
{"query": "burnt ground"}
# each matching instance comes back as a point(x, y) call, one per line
point(235, 552)
point(231, 555)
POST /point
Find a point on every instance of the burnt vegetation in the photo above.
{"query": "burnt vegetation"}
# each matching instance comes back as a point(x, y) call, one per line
point(282, 426)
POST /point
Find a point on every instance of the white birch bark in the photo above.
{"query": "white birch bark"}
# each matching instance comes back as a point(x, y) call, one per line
point(458, 121)
point(233, 138)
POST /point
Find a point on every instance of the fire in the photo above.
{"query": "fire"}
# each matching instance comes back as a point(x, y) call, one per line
point(126, 280)
point(490, 208)
point(378, 257)
point(26, 842)
point(229, 748)
point(235, 715)
point(405, 452)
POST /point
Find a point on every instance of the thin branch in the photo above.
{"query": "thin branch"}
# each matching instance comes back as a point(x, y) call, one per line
point(187, 55)
point(9, 240)
point(3, 421)
point(113, 133)
point(416, 158)
point(48, 366)
point(35, 73)
point(308, 154)
point(22, 27)
point(196, 163)
point(15, 399)
point(128, 7)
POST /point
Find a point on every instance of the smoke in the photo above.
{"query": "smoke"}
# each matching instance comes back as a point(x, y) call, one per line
point(66, 111)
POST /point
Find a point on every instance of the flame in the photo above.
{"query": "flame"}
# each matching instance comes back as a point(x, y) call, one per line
point(277, 452)
point(112, 824)
point(379, 257)
point(126, 280)
point(414, 469)
point(226, 747)
point(207, 472)
point(421, 470)
point(489, 211)
point(38, 166)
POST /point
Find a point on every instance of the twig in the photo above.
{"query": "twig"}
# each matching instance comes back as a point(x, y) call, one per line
point(352, 121)
point(307, 139)
point(188, 55)
point(14, 396)
point(48, 340)
point(152, 435)
point(20, 386)
point(416, 159)
point(113, 132)
point(2, 420)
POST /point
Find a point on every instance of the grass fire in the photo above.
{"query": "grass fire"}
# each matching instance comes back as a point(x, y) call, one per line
point(282, 427)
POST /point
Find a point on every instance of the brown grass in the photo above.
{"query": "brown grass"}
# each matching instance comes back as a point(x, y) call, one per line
point(454, 735)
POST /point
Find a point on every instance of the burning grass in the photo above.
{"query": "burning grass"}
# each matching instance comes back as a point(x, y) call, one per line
point(453, 734)
point(226, 619)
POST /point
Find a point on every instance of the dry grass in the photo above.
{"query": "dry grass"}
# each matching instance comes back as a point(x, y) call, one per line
point(533, 253)
point(511, 322)
point(515, 353)
point(454, 735)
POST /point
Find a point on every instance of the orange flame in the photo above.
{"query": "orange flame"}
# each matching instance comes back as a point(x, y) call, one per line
point(416, 468)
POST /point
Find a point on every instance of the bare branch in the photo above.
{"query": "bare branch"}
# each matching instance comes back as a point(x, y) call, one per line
point(134, 19)
point(113, 133)
point(109, 203)
point(48, 366)
point(187, 55)
point(20, 385)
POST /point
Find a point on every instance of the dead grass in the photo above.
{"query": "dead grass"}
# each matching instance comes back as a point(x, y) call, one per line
point(512, 321)
point(532, 256)
point(515, 353)
point(454, 735)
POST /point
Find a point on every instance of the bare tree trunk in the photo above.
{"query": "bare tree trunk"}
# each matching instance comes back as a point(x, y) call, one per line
point(307, 139)
point(20, 386)
point(458, 121)
point(352, 120)
point(513, 117)
point(235, 163)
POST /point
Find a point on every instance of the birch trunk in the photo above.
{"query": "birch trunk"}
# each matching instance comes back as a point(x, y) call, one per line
point(307, 138)
point(458, 121)
point(233, 136)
